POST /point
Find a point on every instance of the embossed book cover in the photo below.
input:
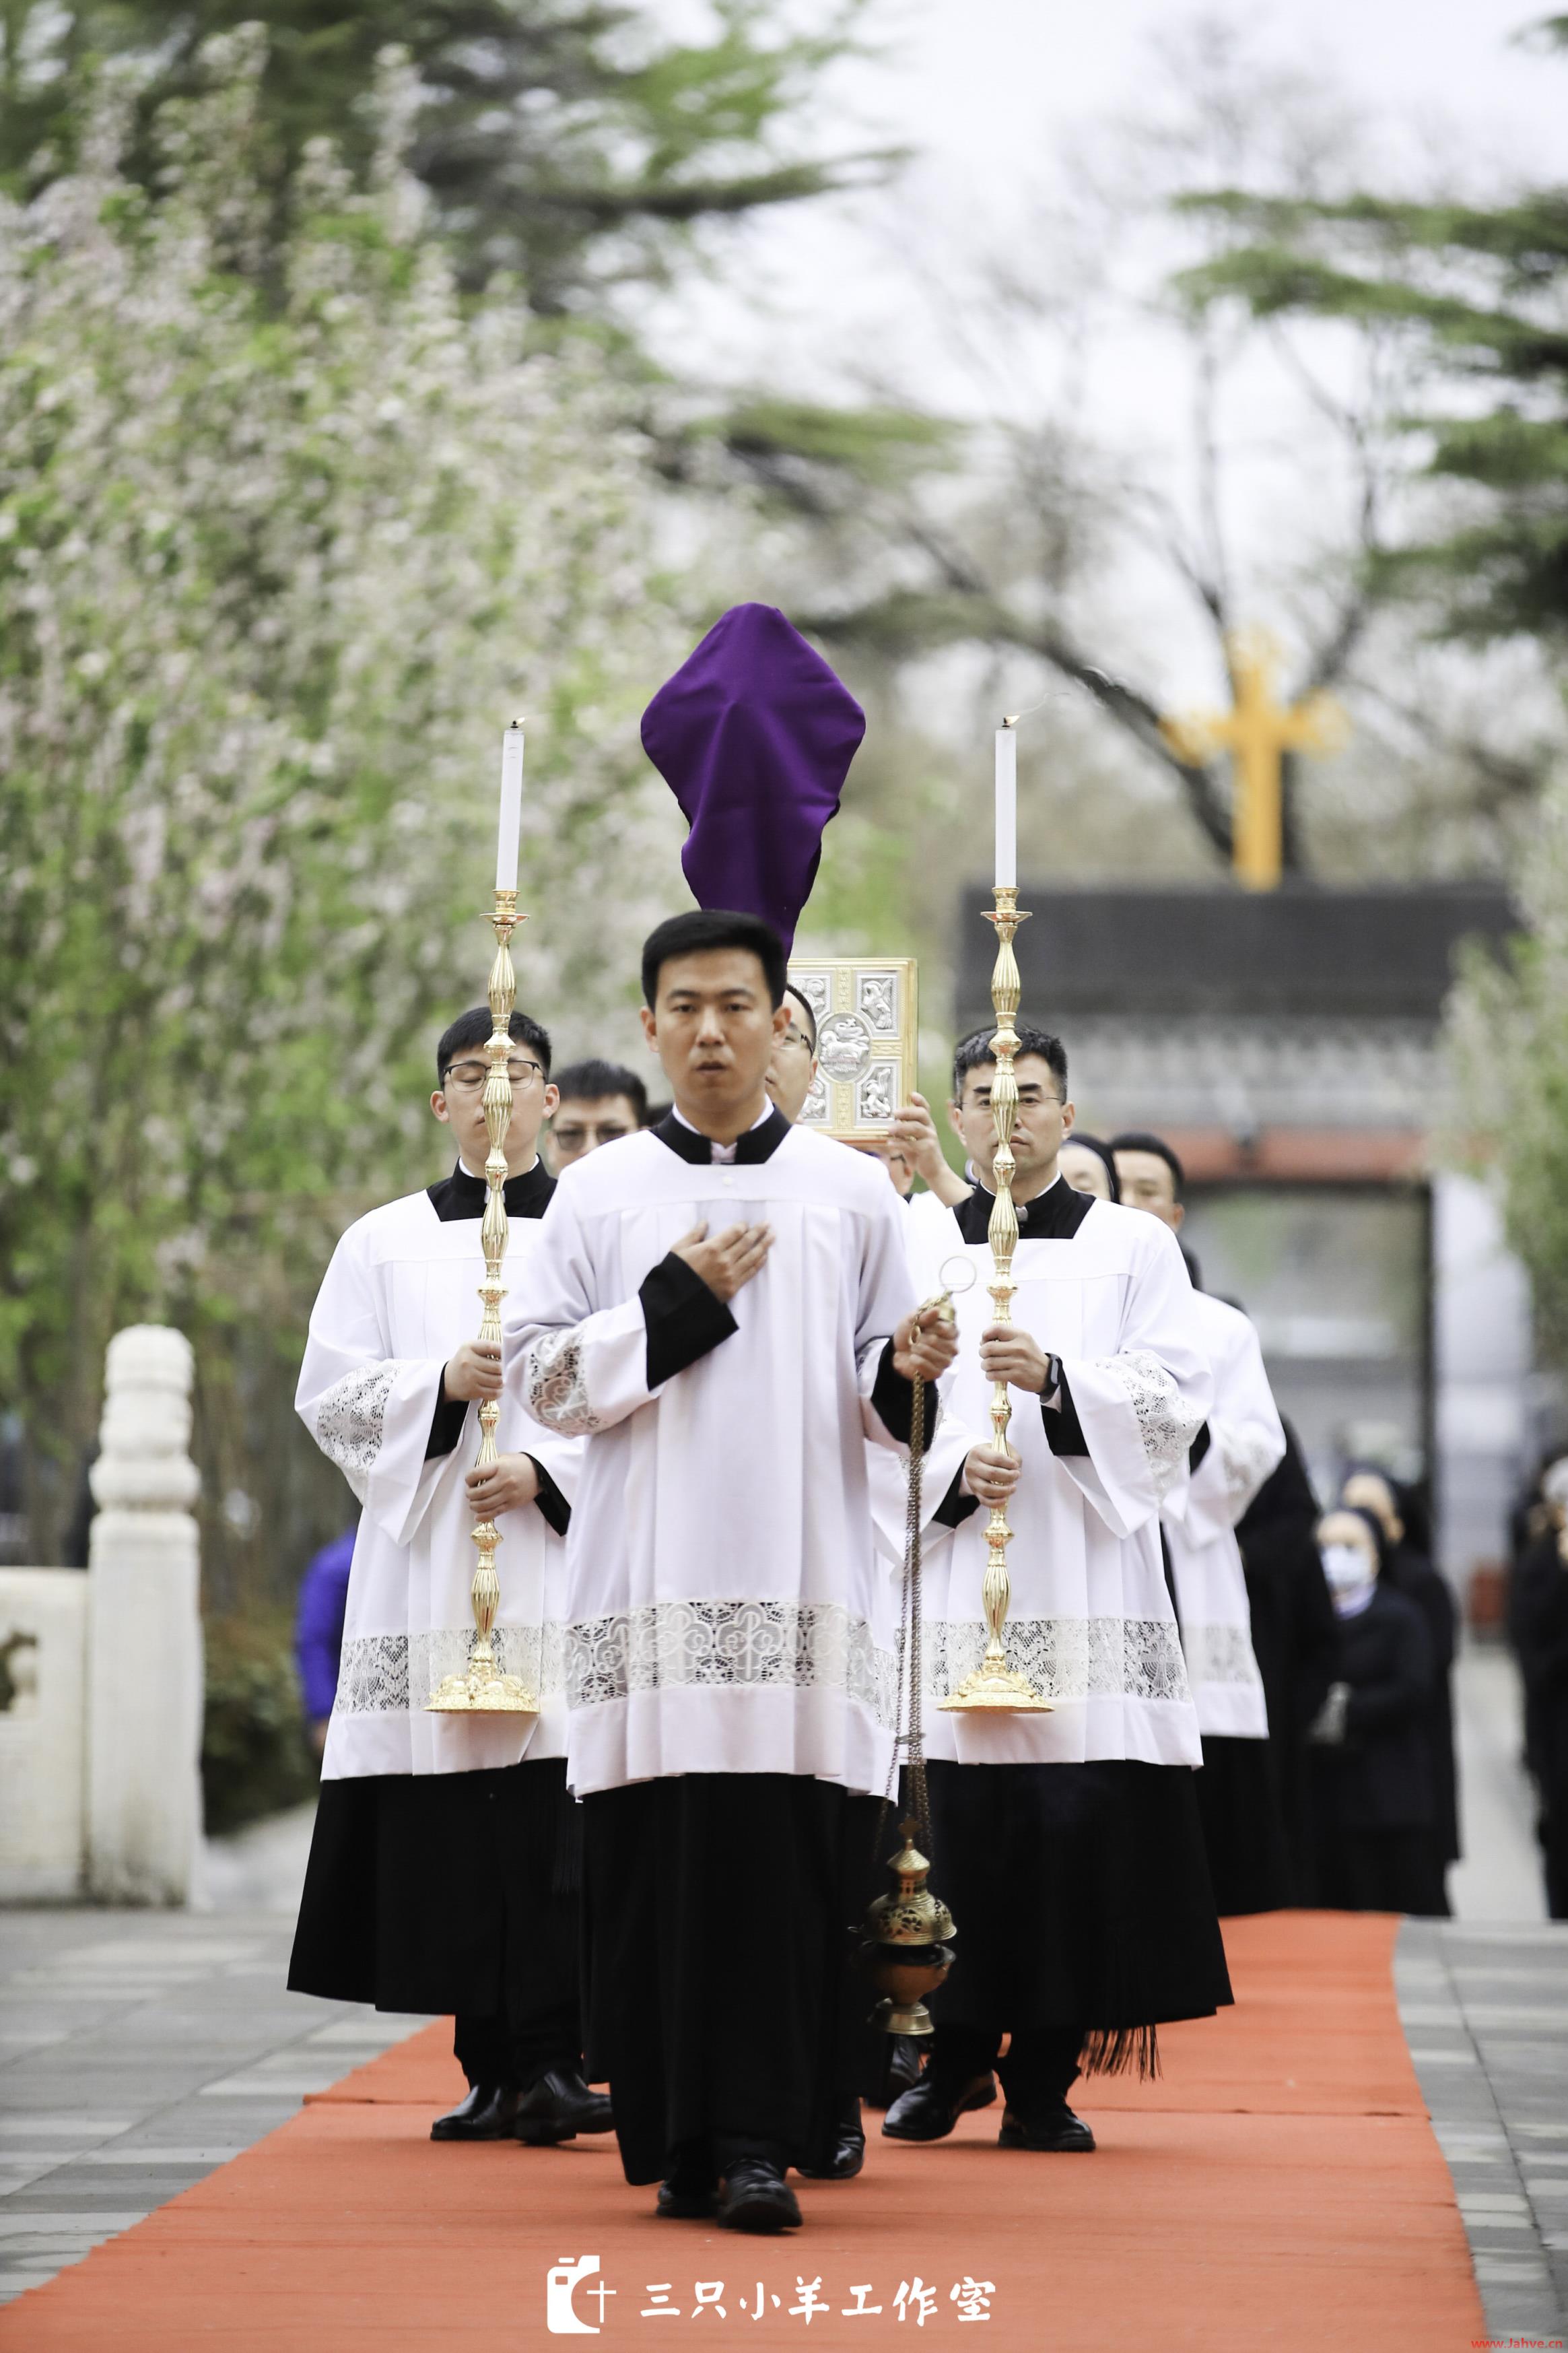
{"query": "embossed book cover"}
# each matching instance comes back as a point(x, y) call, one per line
point(867, 1027)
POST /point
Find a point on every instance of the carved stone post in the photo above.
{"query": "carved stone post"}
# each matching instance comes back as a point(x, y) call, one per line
point(144, 1636)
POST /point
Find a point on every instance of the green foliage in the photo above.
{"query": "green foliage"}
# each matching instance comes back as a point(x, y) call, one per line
point(255, 1756)
point(567, 140)
point(798, 447)
point(272, 568)
point(1510, 1038)
point(1479, 292)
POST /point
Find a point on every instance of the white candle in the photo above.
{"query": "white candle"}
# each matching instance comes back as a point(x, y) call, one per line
point(510, 807)
point(1006, 806)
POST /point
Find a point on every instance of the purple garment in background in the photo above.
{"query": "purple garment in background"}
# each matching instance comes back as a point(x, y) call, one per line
point(318, 1624)
point(754, 734)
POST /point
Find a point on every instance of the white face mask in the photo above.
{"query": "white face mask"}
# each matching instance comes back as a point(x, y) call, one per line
point(1350, 1573)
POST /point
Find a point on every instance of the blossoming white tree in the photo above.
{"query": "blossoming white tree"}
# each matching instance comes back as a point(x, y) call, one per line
point(281, 551)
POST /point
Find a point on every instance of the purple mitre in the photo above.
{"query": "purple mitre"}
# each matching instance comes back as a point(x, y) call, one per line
point(754, 734)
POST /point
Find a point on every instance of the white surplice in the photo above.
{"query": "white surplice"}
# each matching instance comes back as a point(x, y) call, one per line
point(727, 1612)
point(400, 1296)
point(1090, 1622)
point(1247, 1440)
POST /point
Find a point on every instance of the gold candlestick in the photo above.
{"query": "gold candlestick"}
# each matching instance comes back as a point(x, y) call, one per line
point(994, 1684)
point(484, 1689)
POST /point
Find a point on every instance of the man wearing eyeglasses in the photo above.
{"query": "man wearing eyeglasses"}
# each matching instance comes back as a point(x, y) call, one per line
point(600, 1103)
point(1067, 1843)
point(793, 1064)
point(443, 1873)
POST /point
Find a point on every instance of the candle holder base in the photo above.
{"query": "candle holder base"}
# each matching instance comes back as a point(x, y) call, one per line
point(482, 1692)
point(1000, 1689)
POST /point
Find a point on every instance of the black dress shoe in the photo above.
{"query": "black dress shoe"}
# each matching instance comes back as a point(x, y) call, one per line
point(1054, 2128)
point(755, 2196)
point(929, 2109)
point(687, 2198)
point(560, 2107)
point(847, 2157)
point(490, 2112)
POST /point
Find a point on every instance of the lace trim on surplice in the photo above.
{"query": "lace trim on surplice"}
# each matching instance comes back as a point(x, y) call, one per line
point(391, 1674)
point(351, 1418)
point(1065, 1658)
point(723, 1644)
point(1220, 1654)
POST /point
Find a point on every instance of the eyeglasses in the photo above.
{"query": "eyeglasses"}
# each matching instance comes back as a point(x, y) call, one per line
point(577, 1132)
point(798, 1040)
point(468, 1077)
point(1029, 1098)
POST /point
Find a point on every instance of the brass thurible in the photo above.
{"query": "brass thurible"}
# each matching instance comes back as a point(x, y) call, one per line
point(483, 1689)
point(994, 1684)
point(906, 1952)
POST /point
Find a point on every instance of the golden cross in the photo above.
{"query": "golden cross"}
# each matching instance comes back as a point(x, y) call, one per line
point(1256, 730)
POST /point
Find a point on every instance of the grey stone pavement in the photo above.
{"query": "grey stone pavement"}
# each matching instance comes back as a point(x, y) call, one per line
point(138, 2050)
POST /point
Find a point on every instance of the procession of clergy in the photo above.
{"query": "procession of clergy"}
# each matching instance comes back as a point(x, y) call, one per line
point(713, 1329)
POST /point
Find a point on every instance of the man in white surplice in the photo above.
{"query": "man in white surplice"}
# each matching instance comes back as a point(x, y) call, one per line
point(1235, 1452)
point(721, 1306)
point(1067, 1844)
point(444, 1862)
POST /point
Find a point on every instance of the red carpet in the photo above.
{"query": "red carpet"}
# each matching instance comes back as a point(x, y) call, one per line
point(1279, 2188)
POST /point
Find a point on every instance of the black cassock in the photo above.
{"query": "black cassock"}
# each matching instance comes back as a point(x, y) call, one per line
point(721, 2004)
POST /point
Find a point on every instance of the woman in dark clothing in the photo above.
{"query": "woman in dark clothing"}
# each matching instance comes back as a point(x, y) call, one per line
point(1538, 1625)
point(1295, 1637)
point(1372, 1788)
point(1406, 1565)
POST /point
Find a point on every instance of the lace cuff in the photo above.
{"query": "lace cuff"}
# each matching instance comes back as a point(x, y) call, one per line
point(1246, 1458)
point(557, 1390)
point(1167, 1423)
point(351, 1420)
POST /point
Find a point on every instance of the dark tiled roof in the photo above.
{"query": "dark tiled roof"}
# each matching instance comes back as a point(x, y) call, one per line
point(1314, 953)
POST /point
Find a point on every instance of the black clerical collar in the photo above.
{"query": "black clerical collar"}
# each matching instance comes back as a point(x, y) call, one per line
point(758, 1143)
point(1053, 1216)
point(461, 1195)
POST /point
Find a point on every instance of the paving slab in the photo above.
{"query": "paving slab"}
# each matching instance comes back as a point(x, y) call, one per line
point(1492, 2057)
point(138, 2053)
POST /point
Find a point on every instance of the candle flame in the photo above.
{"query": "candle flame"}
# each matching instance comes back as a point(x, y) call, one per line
point(1011, 718)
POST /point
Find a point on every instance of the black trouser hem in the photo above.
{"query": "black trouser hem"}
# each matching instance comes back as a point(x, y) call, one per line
point(1037, 2070)
point(492, 2050)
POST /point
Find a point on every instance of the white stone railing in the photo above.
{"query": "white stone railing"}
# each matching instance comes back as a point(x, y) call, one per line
point(101, 1728)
